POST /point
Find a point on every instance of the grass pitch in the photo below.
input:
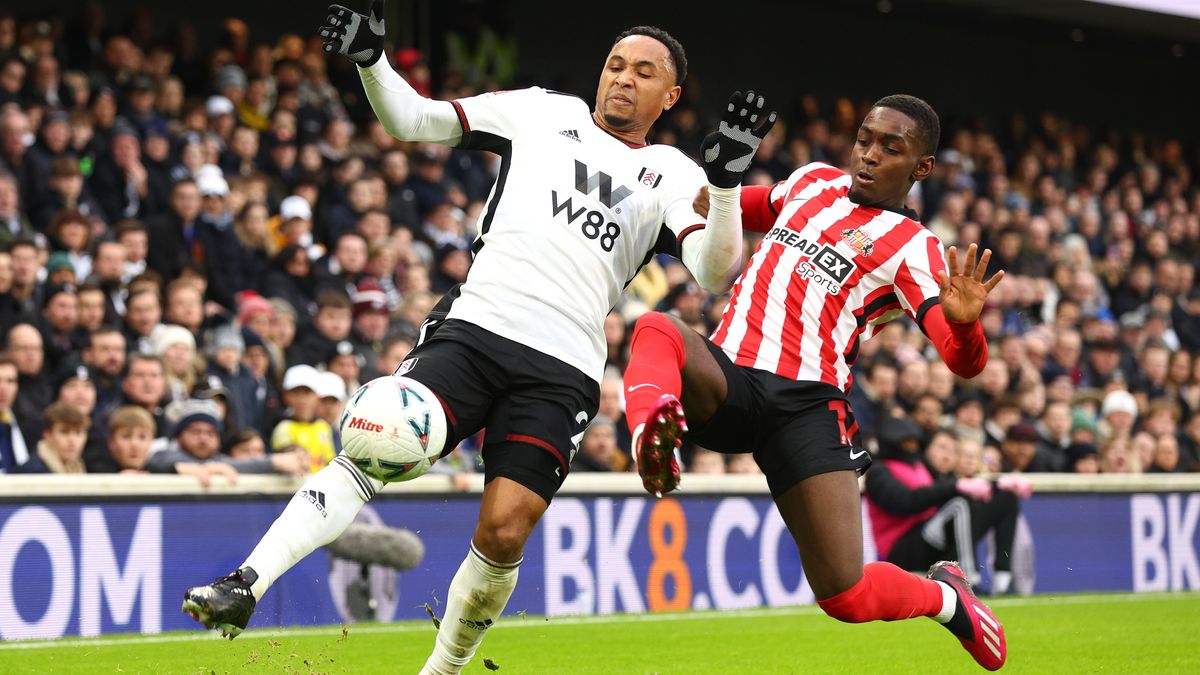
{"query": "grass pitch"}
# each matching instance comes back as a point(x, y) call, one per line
point(1148, 633)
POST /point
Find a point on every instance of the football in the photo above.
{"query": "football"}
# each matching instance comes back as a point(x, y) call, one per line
point(393, 428)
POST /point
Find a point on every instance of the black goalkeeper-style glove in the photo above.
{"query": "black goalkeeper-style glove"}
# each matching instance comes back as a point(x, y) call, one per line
point(728, 150)
point(359, 37)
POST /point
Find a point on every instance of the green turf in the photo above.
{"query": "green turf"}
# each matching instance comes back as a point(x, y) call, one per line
point(1063, 634)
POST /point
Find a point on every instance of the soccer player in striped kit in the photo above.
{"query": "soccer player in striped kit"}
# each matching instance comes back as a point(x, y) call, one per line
point(841, 256)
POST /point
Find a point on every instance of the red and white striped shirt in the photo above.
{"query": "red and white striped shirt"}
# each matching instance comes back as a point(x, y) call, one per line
point(828, 271)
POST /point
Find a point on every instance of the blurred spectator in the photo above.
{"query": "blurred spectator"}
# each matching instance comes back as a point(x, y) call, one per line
point(331, 325)
point(1119, 413)
point(197, 439)
point(143, 385)
point(344, 361)
point(61, 447)
point(301, 427)
point(131, 430)
point(26, 349)
point(61, 334)
point(172, 233)
point(331, 390)
point(1117, 456)
point(598, 450)
point(246, 444)
point(872, 399)
point(1083, 458)
point(225, 349)
point(742, 462)
point(14, 444)
point(1020, 452)
point(706, 461)
point(176, 346)
point(921, 516)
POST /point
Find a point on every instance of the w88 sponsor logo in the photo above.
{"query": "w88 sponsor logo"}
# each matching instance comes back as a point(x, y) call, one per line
point(593, 224)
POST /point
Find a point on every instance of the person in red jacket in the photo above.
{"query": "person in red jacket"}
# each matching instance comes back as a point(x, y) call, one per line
point(918, 517)
point(841, 256)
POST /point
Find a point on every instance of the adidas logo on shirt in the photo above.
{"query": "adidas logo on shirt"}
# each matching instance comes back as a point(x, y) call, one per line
point(571, 134)
point(317, 499)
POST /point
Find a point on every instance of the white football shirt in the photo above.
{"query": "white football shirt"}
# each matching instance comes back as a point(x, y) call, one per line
point(572, 217)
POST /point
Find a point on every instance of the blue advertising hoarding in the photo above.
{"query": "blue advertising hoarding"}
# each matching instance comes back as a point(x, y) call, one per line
point(95, 568)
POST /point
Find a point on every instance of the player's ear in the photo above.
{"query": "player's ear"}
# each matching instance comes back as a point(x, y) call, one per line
point(923, 169)
point(672, 97)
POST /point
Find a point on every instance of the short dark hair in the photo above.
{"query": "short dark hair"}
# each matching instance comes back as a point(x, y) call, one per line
point(65, 415)
point(333, 299)
point(921, 113)
point(678, 57)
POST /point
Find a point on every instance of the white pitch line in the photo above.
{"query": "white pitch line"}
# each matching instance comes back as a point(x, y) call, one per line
point(551, 622)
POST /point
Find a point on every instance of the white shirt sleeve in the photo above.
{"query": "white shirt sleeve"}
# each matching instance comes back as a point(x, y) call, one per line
point(712, 252)
point(403, 112)
point(495, 117)
point(709, 247)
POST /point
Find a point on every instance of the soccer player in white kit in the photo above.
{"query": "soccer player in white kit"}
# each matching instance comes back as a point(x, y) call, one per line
point(581, 202)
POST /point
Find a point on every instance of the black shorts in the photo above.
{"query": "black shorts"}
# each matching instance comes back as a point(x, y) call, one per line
point(534, 407)
point(796, 429)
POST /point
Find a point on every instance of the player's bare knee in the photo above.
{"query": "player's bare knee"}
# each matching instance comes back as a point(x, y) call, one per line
point(501, 540)
point(835, 585)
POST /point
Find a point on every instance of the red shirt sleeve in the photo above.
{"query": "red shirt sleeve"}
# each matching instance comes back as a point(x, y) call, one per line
point(961, 345)
point(758, 214)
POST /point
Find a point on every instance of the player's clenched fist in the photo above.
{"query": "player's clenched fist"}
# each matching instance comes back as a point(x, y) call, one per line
point(358, 37)
point(728, 150)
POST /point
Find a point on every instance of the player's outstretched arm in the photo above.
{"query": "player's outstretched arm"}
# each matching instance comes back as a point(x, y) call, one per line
point(404, 113)
point(727, 153)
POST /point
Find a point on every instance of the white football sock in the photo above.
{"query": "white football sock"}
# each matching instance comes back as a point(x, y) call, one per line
point(322, 509)
point(1001, 582)
point(949, 603)
point(477, 596)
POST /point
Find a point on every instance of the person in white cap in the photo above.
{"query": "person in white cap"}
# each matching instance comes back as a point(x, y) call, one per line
point(224, 258)
point(176, 346)
point(331, 389)
point(302, 426)
point(221, 118)
point(295, 226)
point(1119, 412)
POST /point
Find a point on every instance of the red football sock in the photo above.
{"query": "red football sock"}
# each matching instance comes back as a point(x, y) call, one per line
point(886, 593)
point(656, 358)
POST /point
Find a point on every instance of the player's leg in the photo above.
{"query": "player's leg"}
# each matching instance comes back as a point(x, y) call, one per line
point(998, 515)
point(824, 515)
point(949, 531)
point(815, 486)
point(672, 378)
point(532, 434)
point(488, 575)
point(320, 511)
point(329, 500)
point(668, 357)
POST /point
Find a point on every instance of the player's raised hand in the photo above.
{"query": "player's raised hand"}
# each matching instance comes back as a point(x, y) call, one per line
point(728, 150)
point(358, 37)
point(963, 289)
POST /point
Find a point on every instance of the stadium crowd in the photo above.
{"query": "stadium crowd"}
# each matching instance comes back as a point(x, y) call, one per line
point(202, 252)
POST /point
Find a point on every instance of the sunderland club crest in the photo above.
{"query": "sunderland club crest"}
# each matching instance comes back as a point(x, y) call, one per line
point(861, 243)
